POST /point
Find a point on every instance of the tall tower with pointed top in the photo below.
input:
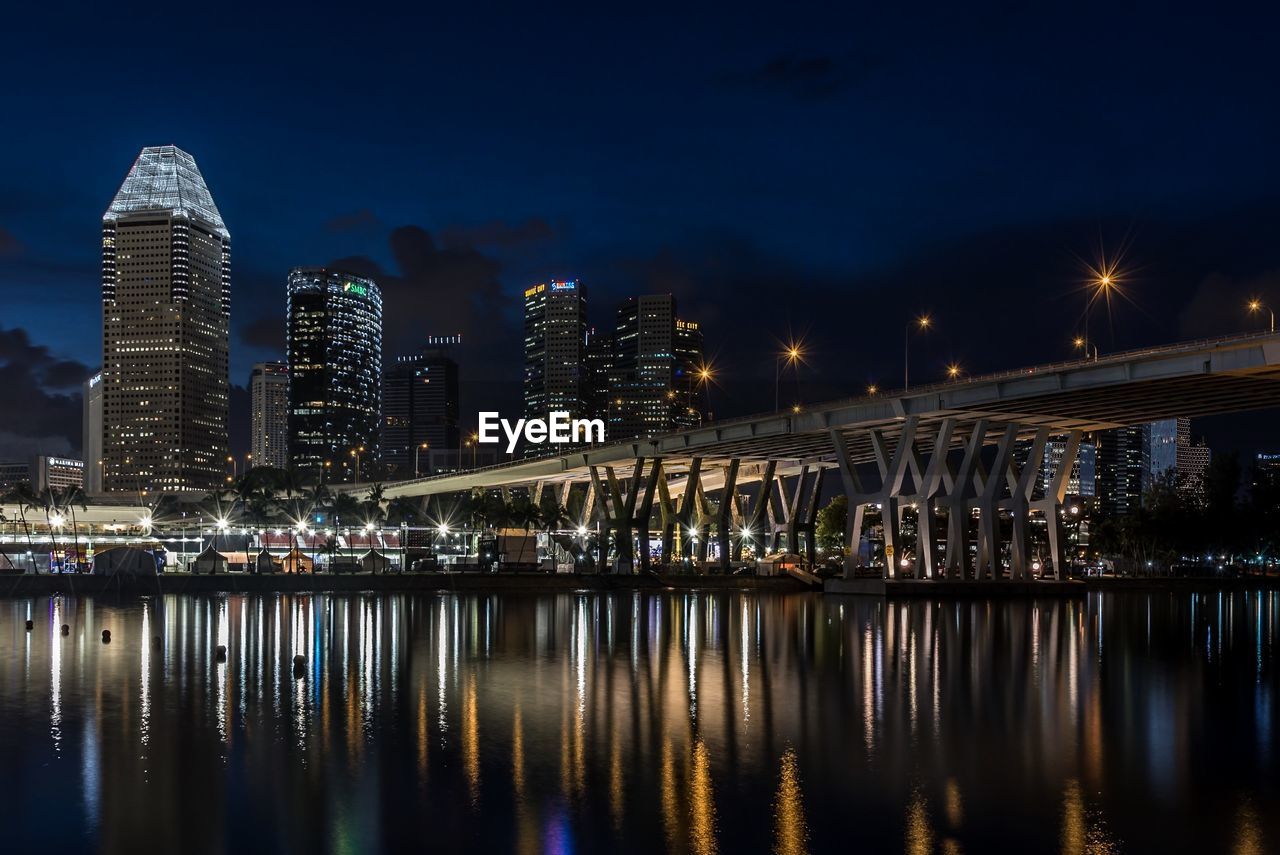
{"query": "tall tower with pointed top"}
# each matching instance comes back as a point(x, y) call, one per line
point(166, 308)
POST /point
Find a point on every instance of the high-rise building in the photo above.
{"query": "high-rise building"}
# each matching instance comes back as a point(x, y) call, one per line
point(166, 300)
point(419, 410)
point(653, 368)
point(1193, 463)
point(555, 331)
point(91, 434)
point(1123, 464)
point(269, 420)
point(1266, 470)
point(599, 365)
point(1171, 451)
point(334, 332)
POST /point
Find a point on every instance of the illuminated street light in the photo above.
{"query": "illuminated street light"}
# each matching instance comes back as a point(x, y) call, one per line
point(57, 520)
point(872, 388)
point(791, 356)
point(1256, 305)
point(953, 371)
point(923, 324)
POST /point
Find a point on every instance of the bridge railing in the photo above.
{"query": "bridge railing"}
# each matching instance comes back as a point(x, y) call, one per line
point(925, 389)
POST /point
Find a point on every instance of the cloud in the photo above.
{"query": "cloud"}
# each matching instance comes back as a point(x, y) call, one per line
point(500, 234)
point(355, 221)
point(805, 78)
point(266, 332)
point(447, 289)
point(42, 397)
point(9, 245)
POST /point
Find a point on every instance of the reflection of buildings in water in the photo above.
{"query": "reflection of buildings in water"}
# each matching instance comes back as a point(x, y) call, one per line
point(619, 699)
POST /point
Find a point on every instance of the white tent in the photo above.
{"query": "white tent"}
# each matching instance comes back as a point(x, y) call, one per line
point(210, 561)
point(124, 561)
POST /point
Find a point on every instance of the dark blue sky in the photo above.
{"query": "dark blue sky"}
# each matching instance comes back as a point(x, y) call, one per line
point(826, 171)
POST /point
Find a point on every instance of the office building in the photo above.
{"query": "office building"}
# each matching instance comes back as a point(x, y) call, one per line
point(334, 340)
point(1123, 464)
point(13, 473)
point(419, 410)
point(1171, 451)
point(57, 473)
point(166, 300)
point(1266, 471)
point(91, 434)
point(599, 365)
point(652, 378)
point(42, 472)
point(555, 327)
point(269, 417)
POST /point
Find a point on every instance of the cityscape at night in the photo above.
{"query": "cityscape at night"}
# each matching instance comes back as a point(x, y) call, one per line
point(717, 429)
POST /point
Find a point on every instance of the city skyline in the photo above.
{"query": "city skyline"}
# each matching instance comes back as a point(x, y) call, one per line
point(793, 159)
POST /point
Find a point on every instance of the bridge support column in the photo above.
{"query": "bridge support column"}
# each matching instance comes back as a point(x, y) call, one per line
point(957, 504)
point(1021, 486)
point(1051, 505)
point(724, 514)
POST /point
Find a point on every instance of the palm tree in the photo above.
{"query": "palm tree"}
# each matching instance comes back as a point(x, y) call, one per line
point(25, 499)
point(72, 497)
point(403, 510)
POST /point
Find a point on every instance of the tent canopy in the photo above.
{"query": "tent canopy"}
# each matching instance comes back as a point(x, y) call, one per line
point(124, 561)
point(209, 561)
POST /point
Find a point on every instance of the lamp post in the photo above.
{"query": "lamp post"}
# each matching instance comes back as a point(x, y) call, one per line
point(1100, 287)
point(1256, 305)
point(791, 356)
point(705, 376)
point(356, 452)
point(1085, 345)
point(922, 323)
point(235, 469)
point(954, 371)
point(420, 447)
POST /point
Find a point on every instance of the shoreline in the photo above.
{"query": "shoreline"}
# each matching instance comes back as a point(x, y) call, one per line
point(23, 585)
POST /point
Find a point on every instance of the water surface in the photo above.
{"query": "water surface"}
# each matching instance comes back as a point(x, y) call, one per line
point(703, 722)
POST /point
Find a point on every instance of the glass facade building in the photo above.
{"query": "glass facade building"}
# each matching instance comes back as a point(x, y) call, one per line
point(334, 341)
point(555, 332)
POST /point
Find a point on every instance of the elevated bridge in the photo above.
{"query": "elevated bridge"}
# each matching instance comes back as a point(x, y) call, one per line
point(947, 449)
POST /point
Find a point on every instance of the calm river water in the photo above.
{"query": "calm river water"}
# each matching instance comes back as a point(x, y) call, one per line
point(722, 722)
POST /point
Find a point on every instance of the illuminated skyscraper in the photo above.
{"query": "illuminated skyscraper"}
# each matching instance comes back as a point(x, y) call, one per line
point(1123, 464)
point(269, 426)
point(652, 370)
point(555, 332)
point(420, 411)
point(166, 301)
point(335, 374)
point(91, 434)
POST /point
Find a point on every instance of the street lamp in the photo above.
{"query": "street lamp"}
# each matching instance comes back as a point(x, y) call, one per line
point(922, 323)
point(872, 388)
point(356, 452)
point(792, 356)
point(705, 376)
point(1105, 280)
point(1081, 343)
point(420, 447)
point(954, 371)
point(235, 469)
point(1256, 305)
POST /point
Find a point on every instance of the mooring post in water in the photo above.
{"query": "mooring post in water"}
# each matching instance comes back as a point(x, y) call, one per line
point(30, 625)
point(66, 629)
point(221, 654)
point(106, 636)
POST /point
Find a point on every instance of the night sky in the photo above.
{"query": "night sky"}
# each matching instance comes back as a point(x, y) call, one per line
point(785, 171)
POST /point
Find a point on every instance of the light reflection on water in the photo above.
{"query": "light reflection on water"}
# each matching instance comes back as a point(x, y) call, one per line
point(700, 722)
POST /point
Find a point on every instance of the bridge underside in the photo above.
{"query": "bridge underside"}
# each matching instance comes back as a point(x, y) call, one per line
point(945, 453)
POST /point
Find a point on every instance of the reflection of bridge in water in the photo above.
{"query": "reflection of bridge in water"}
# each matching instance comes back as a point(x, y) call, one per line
point(947, 450)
